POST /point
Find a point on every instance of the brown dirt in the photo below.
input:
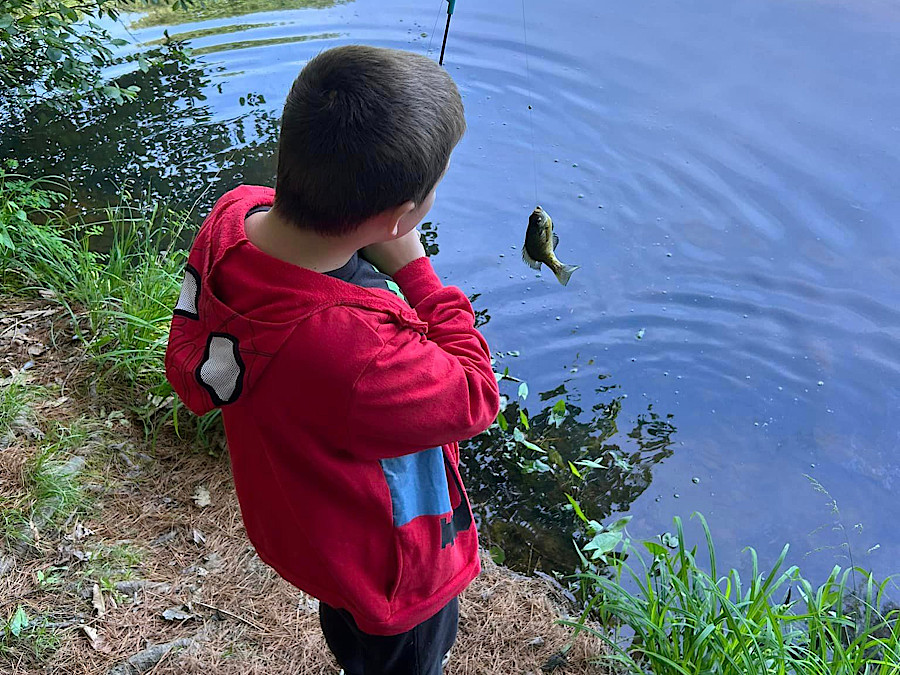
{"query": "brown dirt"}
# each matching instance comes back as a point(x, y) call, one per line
point(246, 619)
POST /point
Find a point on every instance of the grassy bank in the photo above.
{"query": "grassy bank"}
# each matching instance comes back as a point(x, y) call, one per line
point(117, 277)
point(119, 531)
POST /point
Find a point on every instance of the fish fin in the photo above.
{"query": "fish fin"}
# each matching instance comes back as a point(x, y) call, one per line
point(531, 262)
point(564, 272)
point(555, 241)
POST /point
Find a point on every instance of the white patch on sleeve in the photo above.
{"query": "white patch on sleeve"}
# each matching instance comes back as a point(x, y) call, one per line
point(190, 291)
point(220, 371)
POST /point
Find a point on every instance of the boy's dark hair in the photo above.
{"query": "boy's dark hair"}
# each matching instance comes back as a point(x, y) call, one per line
point(364, 129)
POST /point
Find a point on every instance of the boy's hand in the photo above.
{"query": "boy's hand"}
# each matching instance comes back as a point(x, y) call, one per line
point(391, 256)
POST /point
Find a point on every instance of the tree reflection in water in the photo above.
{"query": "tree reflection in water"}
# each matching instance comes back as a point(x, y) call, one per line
point(169, 142)
point(167, 14)
point(428, 231)
point(520, 504)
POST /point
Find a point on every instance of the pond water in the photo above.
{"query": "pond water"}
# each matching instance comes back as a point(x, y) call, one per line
point(726, 173)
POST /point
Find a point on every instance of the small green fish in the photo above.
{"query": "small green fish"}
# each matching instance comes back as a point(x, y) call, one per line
point(540, 244)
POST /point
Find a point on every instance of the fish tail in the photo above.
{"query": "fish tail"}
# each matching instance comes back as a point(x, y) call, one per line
point(564, 272)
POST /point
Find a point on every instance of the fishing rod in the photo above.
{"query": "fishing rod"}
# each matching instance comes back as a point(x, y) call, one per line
point(451, 5)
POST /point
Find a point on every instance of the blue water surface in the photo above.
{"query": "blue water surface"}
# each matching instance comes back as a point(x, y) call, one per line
point(726, 173)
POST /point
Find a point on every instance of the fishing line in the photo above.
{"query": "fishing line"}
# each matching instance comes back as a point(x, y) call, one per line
point(530, 102)
point(450, 7)
point(434, 28)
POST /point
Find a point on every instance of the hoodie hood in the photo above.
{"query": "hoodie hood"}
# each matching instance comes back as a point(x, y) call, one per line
point(238, 305)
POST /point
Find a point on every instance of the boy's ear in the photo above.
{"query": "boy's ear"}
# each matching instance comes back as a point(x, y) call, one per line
point(397, 214)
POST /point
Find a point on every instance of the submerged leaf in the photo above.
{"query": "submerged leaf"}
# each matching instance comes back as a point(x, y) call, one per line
point(520, 437)
point(554, 456)
point(535, 465)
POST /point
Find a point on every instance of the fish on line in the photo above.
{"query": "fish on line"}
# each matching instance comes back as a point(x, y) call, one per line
point(540, 246)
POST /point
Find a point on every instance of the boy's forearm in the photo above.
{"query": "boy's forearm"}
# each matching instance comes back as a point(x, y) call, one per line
point(391, 256)
point(438, 392)
point(417, 280)
point(450, 318)
point(445, 309)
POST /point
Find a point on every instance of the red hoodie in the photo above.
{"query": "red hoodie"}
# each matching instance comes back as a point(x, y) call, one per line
point(342, 406)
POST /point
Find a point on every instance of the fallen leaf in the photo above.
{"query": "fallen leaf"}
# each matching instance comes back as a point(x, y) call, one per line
point(34, 530)
point(177, 614)
point(97, 642)
point(201, 497)
point(18, 622)
point(78, 554)
point(36, 350)
point(80, 532)
point(97, 601)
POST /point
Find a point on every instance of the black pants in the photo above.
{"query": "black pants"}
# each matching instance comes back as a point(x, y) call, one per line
point(418, 651)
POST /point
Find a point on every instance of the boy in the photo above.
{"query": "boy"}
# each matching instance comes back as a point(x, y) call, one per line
point(345, 371)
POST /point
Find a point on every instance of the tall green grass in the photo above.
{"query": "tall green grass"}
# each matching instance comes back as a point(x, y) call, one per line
point(119, 276)
point(672, 617)
point(133, 288)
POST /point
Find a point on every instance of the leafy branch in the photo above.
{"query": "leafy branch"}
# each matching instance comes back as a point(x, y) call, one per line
point(54, 52)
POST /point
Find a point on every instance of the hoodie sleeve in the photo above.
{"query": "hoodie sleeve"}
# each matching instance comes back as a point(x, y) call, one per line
point(417, 393)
